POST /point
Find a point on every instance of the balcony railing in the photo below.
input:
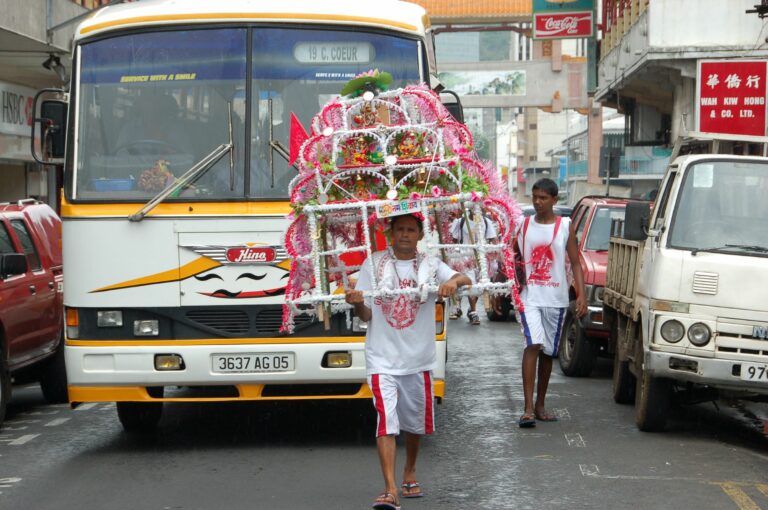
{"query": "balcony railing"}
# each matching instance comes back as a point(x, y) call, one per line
point(652, 164)
point(618, 17)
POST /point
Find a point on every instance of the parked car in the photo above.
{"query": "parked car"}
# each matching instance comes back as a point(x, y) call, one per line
point(586, 339)
point(31, 300)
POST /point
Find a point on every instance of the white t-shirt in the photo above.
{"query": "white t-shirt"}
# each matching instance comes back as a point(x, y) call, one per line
point(545, 268)
point(401, 333)
point(460, 232)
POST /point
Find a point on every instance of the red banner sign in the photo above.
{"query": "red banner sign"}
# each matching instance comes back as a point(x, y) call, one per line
point(731, 97)
point(560, 25)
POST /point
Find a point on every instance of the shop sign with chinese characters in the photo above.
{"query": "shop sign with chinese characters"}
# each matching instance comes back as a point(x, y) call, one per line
point(731, 97)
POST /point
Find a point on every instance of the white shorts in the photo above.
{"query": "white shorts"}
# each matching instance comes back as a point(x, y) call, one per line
point(403, 402)
point(543, 326)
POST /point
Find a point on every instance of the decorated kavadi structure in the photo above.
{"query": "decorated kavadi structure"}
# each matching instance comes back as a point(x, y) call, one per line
point(373, 154)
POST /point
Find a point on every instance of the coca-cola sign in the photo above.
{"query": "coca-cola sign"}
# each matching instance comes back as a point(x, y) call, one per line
point(562, 25)
point(250, 255)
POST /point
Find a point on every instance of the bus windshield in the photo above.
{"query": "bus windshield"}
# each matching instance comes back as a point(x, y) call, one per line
point(721, 207)
point(152, 105)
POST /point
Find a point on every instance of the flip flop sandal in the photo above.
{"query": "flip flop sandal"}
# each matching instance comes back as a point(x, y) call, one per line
point(546, 417)
point(474, 319)
point(455, 314)
point(386, 501)
point(411, 490)
point(527, 421)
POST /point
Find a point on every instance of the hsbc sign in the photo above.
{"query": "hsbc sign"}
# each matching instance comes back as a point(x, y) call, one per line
point(15, 109)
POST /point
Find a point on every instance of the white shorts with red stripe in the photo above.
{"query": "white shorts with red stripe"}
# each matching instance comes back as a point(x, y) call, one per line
point(403, 402)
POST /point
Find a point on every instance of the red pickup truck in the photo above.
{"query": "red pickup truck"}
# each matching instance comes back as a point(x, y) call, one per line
point(585, 339)
point(31, 300)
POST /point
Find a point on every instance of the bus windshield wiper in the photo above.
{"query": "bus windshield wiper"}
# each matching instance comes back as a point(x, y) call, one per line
point(193, 174)
point(188, 177)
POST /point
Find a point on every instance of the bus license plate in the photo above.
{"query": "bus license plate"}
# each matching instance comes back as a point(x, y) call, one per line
point(754, 372)
point(253, 362)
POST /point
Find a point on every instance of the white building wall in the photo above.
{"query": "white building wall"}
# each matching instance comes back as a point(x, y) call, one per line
point(702, 23)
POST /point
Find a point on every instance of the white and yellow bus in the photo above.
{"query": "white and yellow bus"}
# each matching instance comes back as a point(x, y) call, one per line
point(175, 196)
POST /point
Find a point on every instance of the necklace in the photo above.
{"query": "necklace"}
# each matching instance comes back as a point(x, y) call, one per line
point(397, 274)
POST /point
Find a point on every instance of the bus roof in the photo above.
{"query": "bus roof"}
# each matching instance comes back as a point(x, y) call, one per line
point(393, 14)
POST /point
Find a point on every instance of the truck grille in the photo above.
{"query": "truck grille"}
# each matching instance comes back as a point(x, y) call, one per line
point(705, 283)
point(233, 322)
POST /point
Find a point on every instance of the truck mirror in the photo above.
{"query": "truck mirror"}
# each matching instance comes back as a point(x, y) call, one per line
point(54, 115)
point(12, 264)
point(452, 103)
point(636, 221)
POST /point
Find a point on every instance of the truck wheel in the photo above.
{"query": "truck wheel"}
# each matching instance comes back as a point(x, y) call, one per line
point(53, 379)
point(5, 385)
point(623, 382)
point(141, 417)
point(653, 402)
point(577, 354)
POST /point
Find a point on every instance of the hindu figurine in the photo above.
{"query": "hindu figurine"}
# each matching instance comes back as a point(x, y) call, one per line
point(408, 146)
point(368, 116)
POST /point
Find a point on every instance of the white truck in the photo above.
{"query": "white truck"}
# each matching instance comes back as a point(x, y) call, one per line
point(686, 291)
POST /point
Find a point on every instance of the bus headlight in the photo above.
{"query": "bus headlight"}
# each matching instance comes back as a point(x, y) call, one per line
point(146, 328)
point(109, 319)
point(699, 334)
point(672, 331)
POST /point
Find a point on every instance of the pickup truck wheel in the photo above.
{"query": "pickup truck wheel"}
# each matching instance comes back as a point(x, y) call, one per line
point(5, 385)
point(623, 382)
point(141, 417)
point(577, 354)
point(53, 380)
point(652, 403)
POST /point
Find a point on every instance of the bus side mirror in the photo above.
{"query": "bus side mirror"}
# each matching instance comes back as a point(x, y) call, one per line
point(12, 264)
point(54, 115)
point(50, 128)
point(452, 103)
point(636, 219)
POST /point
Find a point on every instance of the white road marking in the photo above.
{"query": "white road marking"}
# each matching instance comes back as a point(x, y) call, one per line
point(56, 422)
point(7, 428)
point(23, 440)
point(18, 422)
point(86, 407)
point(575, 440)
point(562, 413)
point(40, 413)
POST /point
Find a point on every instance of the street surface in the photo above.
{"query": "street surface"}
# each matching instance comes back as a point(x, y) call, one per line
point(306, 455)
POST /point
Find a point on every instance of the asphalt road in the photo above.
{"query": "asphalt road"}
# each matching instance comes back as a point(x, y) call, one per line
point(307, 455)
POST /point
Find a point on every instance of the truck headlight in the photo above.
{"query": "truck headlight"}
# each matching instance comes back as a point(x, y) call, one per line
point(672, 331)
point(109, 319)
point(699, 334)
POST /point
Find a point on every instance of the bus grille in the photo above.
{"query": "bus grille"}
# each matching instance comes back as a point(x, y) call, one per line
point(271, 319)
point(233, 322)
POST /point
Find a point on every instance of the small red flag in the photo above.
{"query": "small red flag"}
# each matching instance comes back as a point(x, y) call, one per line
point(298, 137)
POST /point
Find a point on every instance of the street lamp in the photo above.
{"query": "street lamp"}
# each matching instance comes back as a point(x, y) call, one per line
point(53, 63)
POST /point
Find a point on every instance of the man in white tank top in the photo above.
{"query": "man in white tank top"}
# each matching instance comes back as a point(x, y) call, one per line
point(544, 241)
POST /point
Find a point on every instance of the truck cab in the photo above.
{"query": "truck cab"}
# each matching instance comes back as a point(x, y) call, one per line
point(31, 300)
point(687, 288)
